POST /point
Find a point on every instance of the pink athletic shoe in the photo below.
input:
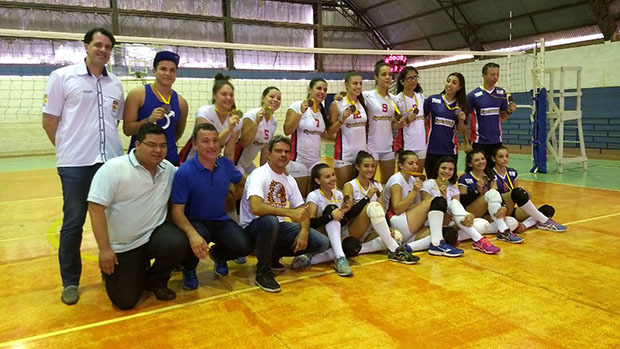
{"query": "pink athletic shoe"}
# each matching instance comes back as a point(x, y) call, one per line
point(485, 246)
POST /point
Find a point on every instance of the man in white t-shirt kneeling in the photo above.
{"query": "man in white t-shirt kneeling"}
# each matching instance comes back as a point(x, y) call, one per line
point(267, 192)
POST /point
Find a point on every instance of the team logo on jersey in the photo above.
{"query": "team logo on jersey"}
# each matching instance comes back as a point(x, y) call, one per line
point(436, 100)
point(489, 111)
point(444, 122)
point(276, 196)
point(114, 106)
point(478, 94)
point(45, 99)
point(469, 181)
point(499, 91)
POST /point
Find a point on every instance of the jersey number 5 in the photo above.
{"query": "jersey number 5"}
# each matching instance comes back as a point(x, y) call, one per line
point(266, 134)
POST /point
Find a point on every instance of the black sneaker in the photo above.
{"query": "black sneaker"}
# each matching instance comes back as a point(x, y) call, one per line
point(267, 283)
point(401, 255)
point(163, 294)
point(277, 266)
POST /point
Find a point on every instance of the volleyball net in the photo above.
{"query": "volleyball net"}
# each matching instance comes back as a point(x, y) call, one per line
point(28, 57)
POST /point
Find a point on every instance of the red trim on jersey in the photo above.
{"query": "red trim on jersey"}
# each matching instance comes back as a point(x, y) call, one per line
point(455, 140)
point(473, 130)
point(429, 126)
point(399, 141)
point(238, 151)
point(338, 145)
point(185, 151)
point(294, 146)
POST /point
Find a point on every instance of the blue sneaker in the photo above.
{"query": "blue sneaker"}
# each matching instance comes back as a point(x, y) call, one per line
point(240, 260)
point(551, 225)
point(190, 280)
point(342, 267)
point(444, 249)
point(220, 268)
point(509, 237)
point(407, 248)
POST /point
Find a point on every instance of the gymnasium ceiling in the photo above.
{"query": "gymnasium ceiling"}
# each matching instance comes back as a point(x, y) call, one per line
point(482, 24)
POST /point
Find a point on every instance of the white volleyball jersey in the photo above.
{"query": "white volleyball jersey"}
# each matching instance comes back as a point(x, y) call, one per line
point(208, 112)
point(317, 198)
point(306, 140)
point(431, 187)
point(244, 156)
point(413, 136)
point(406, 186)
point(380, 111)
point(359, 192)
point(351, 137)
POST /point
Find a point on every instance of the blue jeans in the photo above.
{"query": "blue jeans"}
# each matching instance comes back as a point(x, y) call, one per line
point(75, 186)
point(230, 241)
point(274, 239)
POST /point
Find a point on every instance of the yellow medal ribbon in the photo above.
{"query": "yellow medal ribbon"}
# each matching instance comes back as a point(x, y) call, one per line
point(448, 105)
point(405, 101)
point(334, 200)
point(507, 183)
point(391, 101)
point(362, 188)
point(166, 101)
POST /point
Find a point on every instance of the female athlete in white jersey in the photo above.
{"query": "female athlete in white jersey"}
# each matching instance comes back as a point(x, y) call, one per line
point(507, 180)
point(410, 101)
point(407, 212)
point(259, 126)
point(222, 114)
point(329, 208)
point(381, 111)
point(444, 185)
point(348, 122)
point(306, 122)
point(479, 195)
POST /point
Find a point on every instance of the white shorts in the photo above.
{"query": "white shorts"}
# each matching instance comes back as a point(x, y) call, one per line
point(342, 163)
point(300, 169)
point(382, 156)
point(400, 223)
point(421, 153)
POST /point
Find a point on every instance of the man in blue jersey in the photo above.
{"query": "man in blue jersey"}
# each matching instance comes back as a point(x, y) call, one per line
point(158, 103)
point(488, 105)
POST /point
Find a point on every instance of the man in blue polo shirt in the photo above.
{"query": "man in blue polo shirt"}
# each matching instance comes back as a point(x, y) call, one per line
point(489, 105)
point(199, 193)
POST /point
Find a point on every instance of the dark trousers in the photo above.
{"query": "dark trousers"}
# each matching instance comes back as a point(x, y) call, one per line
point(75, 186)
point(275, 239)
point(432, 161)
point(229, 238)
point(488, 150)
point(168, 246)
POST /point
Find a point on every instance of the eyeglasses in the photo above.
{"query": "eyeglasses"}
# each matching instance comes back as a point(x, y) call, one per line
point(412, 78)
point(155, 145)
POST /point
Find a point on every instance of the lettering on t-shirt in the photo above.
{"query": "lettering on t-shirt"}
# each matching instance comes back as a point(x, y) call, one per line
point(489, 111)
point(444, 122)
point(382, 117)
point(276, 196)
point(355, 124)
point(469, 181)
point(499, 92)
point(309, 132)
point(478, 94)
point(436, 100)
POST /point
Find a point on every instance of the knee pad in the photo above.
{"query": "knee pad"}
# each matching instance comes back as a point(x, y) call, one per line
point(519, 196)
point(456, 209)
point(439, 203)
point(375, 211)
point(450, 235)
point(512, 223)
point(493, 196)
point(397, 236)
point(547, 210)
point(351, 246)
point(481, 225)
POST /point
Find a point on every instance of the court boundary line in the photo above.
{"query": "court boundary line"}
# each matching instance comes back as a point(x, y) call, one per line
point(215, 297)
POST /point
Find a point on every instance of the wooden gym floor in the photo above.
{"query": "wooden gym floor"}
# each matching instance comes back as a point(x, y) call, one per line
point(554, 291)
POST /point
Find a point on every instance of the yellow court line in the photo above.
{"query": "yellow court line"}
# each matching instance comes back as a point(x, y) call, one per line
point(54, 240)
point(593, 218)
point(28, 200)
point(166, 309)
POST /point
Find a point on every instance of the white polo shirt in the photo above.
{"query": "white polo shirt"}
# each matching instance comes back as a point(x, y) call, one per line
point(89, 109)
point(136, 202)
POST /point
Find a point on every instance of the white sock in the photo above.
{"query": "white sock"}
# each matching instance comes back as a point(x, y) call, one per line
point(494, 203)
point(530, 209)
point(377, 220)
point(322, 257)
point(470, 231)
point(420, 245)
point(333, 233)
point(373, 245)
point(529, 222)
point(435, 223)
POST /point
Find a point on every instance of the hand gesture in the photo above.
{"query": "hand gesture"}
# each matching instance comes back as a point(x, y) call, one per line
point(417, 186)
point(299, 214)
point(304, 106)
point(345, 114)
point(346, 204)
point(337, 214)
point(157, 114)
point(233, 121)
point(372, 191)
point(199, 246)
point(468, 221)
point(301, 241)
point(501, 213)
point(481, 184)
point(511, 108)
point(260, 116)
point(461, 116)
point(107, 261)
